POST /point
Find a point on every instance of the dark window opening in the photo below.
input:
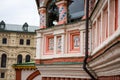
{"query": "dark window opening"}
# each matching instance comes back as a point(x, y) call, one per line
point(27, 58)
point(28, 42)
point(4, 41)
point(3, 60)
point(52, 13)
point(21, 41)
point(19, 59)
point(75, 10)
point(2, 75)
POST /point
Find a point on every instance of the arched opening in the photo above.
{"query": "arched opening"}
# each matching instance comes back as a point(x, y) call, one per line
point(3, 60)
point(27, 58)
point(19, 59)
point(52, 13)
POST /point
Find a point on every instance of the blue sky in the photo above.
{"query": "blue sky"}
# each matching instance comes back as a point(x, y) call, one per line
point(19, 12)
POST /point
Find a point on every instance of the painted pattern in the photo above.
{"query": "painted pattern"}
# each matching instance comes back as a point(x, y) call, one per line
point(76, 42)
point(63, 13)
point(51, 44)
point(59, 44)
point(42, 20)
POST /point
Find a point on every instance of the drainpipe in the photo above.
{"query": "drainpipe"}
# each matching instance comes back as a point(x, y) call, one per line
point(86, 43)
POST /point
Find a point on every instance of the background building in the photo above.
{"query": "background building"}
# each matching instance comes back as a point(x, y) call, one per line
point(60, 49)
point(17, 45)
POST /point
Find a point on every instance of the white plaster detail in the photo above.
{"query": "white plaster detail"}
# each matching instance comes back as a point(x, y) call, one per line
point(55, 44)
point(38, 46)
point(63, 71)
point(62, 43)
point(107, 41)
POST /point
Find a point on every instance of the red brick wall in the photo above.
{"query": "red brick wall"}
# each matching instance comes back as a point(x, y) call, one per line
point(109, 78)
point(56, 60)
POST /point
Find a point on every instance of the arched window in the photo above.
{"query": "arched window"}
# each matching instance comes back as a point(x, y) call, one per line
point(19, 59)
point(4, 41)
point(52, 13)
point(27, 58)
point(3, 60)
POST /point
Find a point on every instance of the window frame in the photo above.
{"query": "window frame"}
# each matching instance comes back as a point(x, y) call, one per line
point(4, 40)
point(19, 59)
point(47, 51)
point(72, 49)
point(28, 42)
point(3, 61)
point(21, 42)
point(27, 58)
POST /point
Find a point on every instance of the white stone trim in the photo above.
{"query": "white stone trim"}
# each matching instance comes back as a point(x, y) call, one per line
point(65, 55)
point(107, 41)
point(55, 45)
point(67, 71)
point(62, 43)
point(38, 46)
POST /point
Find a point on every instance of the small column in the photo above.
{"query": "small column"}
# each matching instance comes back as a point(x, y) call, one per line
point(67, 78)
point(62, 5)
point(62, 78)
point(43, 78)
point(55, 44)
point(77, 79)
point(57, 78)
point(52, 78)
point(62, 43)
point(38, 48)
point(42, 12)
point(81, 42)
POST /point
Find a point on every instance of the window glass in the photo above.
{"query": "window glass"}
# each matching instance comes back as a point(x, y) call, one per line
point(28, 42)
point(21, 41)
point(3, 60)
point(19, 59)
point(27, 58)
point(2, 75)
point(4, 41)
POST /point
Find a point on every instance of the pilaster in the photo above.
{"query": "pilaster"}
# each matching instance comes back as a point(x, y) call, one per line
point(38, 48)
point(62, 43)
point(55, 44)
